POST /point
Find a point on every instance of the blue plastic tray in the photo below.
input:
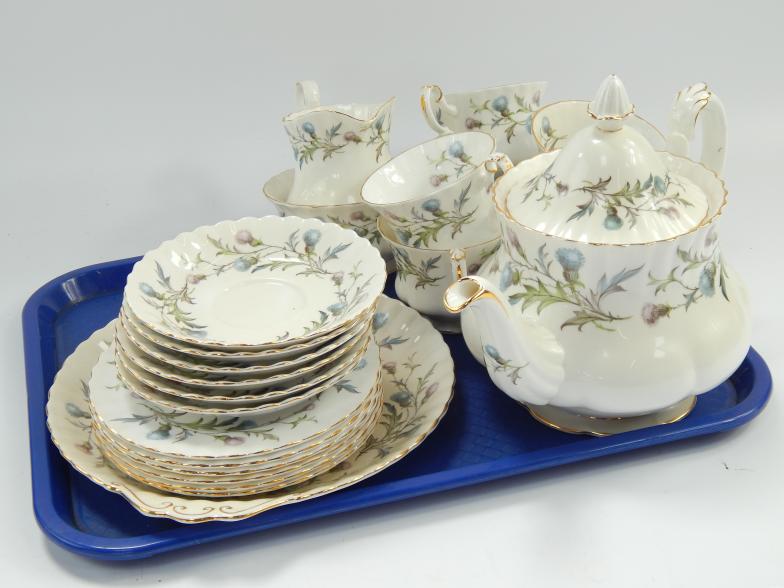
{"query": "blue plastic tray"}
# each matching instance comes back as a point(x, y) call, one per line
point(484, 436)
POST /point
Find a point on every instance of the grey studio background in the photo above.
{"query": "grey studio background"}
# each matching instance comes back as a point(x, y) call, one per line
point(125, 123)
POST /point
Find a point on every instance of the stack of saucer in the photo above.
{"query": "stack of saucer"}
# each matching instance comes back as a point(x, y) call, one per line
point(243, 360)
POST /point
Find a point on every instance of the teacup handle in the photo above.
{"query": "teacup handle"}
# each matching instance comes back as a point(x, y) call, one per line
point(433, 117)
point(459, 266)
point(691, 103)
point(306, 94)
point(498, 164)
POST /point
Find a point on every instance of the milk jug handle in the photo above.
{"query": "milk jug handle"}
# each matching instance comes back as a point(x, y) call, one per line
point(693, 103)
point(306, 95)
point(433, 97)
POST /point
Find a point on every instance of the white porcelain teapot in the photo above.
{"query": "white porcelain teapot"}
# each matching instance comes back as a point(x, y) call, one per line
point(609, 305)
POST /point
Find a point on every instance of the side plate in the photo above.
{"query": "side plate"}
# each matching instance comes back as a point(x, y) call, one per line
point(484, 436)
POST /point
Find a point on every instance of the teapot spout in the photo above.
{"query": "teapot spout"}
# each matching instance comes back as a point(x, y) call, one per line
point(523, 359)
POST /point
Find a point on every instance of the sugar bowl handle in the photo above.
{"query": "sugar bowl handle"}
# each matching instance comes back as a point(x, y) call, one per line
point(433, 102)
point(498, 164)
point(693, 103)
point(306, 94)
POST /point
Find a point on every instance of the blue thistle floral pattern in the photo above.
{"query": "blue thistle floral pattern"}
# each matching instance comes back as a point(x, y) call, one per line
point(307, 141)
point(403, 413)
point(656, 195)
point(532, 281)
point(451, 164)
point(503, 365)
point(496, 112)
point(699, 274)
point(426, 273)
point(250, 254)
point(551, 140)
point(426, 221)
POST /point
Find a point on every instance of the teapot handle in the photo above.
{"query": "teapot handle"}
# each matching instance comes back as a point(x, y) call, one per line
point(433, 117)
point(306, 94)
point(691, 103)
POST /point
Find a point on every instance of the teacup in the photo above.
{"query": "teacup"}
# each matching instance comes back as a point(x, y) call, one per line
point(436, 194)
point(503, 111)
point(358, 216)
point(552, 125)
point(335, 147)
point(423, 275)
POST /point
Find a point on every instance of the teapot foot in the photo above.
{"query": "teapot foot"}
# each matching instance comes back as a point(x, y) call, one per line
point(571, 422)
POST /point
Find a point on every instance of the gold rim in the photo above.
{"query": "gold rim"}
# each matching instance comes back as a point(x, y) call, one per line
point(151, 349)
point(373, 253)
point(341, 353)
point(307, 387)
point(680, 415)
point(708, 221)
point(295, 473)
point(442, 188)
point(175, 345)
point(232, 462)
point(168, 507)
point(292, 116)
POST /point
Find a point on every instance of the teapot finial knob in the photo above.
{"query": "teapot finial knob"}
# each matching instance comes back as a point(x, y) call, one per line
point(611, 104)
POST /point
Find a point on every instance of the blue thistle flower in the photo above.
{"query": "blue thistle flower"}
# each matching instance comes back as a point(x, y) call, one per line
point(493, 354)
point(613, 222)
point(570, 259)
point(403, 398)
point(245, 424)
point(404, 235)
point(336, 308)
point(707, 283)
point(659, 185)
point(500, 104)
point(309, 128)
point(161, 432)
point(242, 264)
point(379, 320)
point(431, 205)
point(148, 290)
point(456, 150)
point(546, 128)
point(507, 275)
point(311, 237)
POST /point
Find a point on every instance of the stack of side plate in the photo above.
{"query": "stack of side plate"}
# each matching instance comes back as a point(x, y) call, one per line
point(261, 326)
point(232, 455)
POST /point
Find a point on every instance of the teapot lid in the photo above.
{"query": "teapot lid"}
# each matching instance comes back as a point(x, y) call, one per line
point(607, 185)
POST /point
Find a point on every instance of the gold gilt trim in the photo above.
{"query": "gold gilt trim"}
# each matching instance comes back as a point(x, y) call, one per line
point(678, 416)
point(481, 293)
point(335, 109)
point(707, 221)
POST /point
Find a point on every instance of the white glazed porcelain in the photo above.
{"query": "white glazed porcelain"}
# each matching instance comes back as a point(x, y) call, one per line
point(335, 147)
point(330, 351)
point(423, 275)
point(357, 216)
point(292, 354)
point(503, 111)
point(163, 431)
point(246, 383)
point(589, 323)
point(419, 395)
point(256, 283)
point(554, 124)
point(435, 195)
